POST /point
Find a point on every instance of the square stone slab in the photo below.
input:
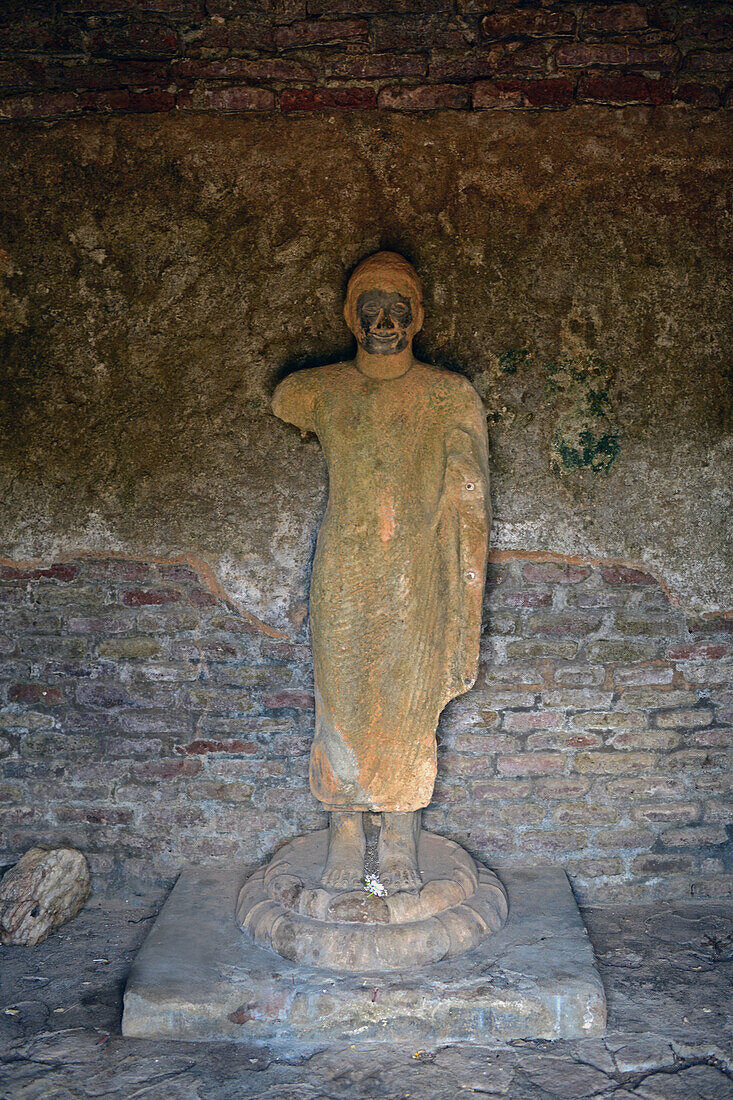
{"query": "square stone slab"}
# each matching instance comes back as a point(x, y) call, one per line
point(198, 977)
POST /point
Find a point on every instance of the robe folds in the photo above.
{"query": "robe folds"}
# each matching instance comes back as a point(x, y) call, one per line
point(398, 575)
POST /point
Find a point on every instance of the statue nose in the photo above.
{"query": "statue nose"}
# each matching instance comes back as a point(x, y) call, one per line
point(384, 320)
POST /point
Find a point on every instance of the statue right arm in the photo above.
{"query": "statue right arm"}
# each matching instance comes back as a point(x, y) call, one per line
point(293, 400)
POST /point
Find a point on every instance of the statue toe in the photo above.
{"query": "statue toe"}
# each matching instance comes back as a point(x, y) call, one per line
point(340, 878)
point(402, 879)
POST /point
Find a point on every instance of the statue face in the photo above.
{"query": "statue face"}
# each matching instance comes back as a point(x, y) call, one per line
point(385, 319)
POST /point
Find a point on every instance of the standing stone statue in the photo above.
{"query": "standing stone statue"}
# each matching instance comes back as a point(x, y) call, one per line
point(398, 576)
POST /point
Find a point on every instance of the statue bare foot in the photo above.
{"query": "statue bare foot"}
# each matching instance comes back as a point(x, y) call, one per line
point(398, 839)
point(344, 868)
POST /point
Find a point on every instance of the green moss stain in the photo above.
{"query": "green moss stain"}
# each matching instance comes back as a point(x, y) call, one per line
point(586, 436)
point(511, 360)
point(594, 452)
point(598, 402)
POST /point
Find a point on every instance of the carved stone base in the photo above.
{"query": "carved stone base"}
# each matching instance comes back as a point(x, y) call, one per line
point(285, 907)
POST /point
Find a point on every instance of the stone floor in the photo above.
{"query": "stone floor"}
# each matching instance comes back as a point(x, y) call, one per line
point(667, 972)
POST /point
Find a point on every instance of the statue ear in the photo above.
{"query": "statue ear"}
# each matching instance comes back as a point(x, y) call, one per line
point(419, 317)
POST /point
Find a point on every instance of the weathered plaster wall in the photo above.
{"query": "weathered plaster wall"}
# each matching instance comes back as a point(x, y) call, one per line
point(158, 276)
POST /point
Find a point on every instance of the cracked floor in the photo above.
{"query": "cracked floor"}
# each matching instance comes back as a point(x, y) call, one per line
point(666, 968)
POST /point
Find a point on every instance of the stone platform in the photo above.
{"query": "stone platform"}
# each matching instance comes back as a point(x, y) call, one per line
point(198, 977)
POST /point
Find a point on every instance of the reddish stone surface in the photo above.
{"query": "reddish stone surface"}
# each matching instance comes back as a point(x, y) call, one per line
point(528, 21)
point(709, 25)
point(619, 90)
point(527, 720)
point(555, 93)
point(60, 572)
point(297, 699)
point(19, 75)
point(552, 572)
point(240, 68)
point(621, 574)
point(42, 694)
point(43, 105)
point(119, 99)
point(660, 58)
point(377, 7)
point(426, 32)
point(580, 55)
point(463, 67)
point(425, 97)
point(227, 99)
point(117, 570)
point(525, 599)
point(134, 40)
point(532, 58)
point(279, 11)
point(328, 99)
point(535, 763)
point(168, 769)
point(614, 18)
point(241, 34)
point(106, 815)
point(710, 61)
point(315, 32)
point(696, 95)
point(201, 597)
point(369, 66)
point(103, 73)
point(21, 35)
point(143, 597)
point(184, 9)
point(201, 747)
point(699, 652)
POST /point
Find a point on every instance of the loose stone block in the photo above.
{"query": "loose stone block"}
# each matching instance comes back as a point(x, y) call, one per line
point(44, 890)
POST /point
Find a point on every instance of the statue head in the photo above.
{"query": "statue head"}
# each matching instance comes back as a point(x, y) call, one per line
point(383, 305)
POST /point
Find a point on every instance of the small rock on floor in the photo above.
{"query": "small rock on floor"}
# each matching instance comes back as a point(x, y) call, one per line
point(44, 890)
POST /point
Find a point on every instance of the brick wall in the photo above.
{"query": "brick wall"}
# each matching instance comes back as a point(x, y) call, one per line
point(69, 57)
point(148, 722)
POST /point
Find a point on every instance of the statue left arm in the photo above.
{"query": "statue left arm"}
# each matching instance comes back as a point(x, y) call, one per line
point(465, 517)
point(467, 462)
point(293, 400)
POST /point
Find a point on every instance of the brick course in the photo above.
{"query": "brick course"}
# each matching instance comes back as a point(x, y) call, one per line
point(96, 56)
point(149, 727)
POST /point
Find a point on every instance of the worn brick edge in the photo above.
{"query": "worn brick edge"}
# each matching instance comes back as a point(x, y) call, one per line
point(215, 587)
point(204, 570)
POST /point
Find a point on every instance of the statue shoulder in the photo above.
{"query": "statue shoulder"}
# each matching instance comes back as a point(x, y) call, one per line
point(449, 385)
point(467, 393)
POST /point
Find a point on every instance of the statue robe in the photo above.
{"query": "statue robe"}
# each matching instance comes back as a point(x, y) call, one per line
point(398, 576)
